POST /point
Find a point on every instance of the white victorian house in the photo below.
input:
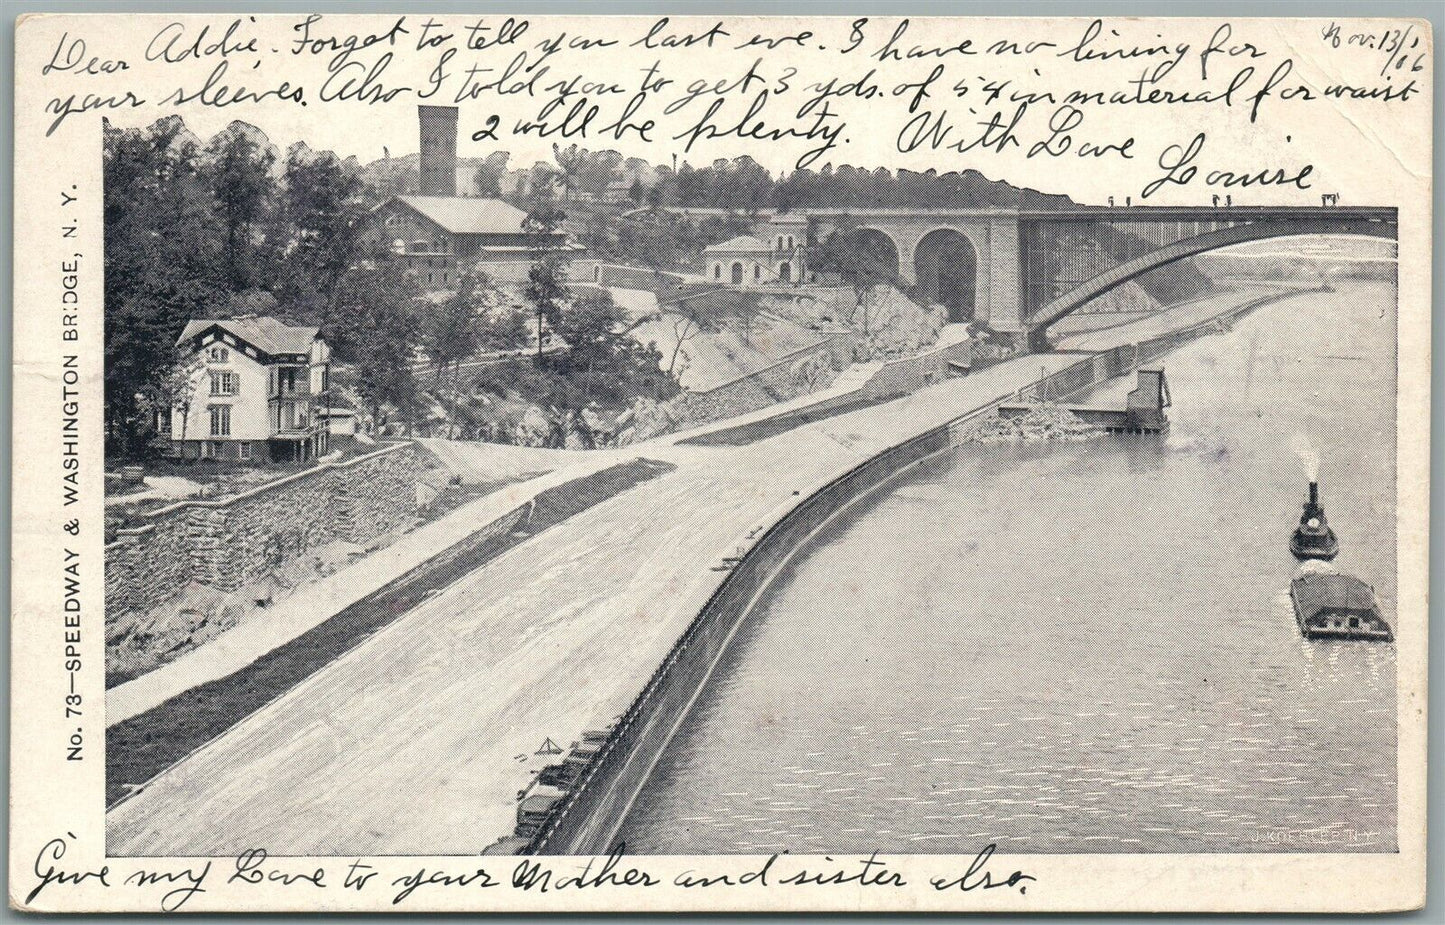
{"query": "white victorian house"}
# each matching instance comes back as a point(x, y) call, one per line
point(250, 389)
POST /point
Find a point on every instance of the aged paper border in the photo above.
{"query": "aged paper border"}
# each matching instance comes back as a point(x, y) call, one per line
point(1157, 883)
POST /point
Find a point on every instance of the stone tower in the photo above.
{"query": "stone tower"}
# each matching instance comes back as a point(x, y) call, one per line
point(438, 150)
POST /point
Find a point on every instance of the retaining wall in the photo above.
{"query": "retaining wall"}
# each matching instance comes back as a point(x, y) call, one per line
point(909, 374)
point(230, 542)
point(587, 820)
point(798, 373)
point(625, 277)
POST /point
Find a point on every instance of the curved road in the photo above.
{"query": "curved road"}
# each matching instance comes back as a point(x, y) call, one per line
point(417, 740)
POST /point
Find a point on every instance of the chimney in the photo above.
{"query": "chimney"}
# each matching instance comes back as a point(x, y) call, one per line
point(438, 150)
point(1314, 494)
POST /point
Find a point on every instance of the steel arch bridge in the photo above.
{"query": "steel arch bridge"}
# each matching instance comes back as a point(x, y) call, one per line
point(1068, 257)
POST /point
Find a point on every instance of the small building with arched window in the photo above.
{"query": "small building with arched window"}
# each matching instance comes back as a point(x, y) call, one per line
point(748, 262)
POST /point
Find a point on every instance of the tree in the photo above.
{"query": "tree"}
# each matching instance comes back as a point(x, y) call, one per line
point(687, 322)
point(636, 192)
point(377, 331)
point(239, 173)
point(603, 364)
point(489, 176)
point(545, 288)
point(181, 388)
point(323, 212)
point(451, 332)
point(599, 169)
point(860, 259)
point(164, 264)
point(570, 160)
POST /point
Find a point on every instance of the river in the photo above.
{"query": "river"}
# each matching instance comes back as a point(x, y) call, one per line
point(1078, 647)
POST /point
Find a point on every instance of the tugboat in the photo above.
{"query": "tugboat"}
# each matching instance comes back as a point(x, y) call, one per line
point(1313, 538)
point(1328, 605)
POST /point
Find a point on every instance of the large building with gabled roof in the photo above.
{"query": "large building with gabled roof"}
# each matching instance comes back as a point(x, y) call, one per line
point(440, 235)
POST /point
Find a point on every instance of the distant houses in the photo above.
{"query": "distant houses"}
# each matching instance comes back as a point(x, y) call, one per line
point(249, 389)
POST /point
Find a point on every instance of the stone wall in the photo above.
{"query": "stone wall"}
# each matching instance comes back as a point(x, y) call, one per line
point(625, 277)
point(149, 564)
point(229, 543)
point(587, 818)
point(900, 377)
point(799, 373)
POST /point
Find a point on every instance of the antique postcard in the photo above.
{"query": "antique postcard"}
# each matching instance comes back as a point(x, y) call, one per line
point(483, 462)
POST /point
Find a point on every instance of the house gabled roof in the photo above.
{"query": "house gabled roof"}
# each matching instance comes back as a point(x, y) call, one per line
point(740, 244)
point(466, 214)
point(268, 335)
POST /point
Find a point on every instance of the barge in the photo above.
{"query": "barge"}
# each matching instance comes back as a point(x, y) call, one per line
point(1329, 605)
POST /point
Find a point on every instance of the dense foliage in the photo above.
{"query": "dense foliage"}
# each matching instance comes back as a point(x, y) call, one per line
point(196, 232)
point(232, 227)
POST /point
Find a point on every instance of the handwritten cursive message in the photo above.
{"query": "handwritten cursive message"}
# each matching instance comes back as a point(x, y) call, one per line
point(814, 92)
point(172, 886)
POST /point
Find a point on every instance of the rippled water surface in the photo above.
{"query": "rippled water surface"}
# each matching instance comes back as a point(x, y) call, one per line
point(1079, 647)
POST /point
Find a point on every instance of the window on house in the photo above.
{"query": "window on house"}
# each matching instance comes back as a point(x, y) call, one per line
point(220, 420)
point(163, 422)
point(225, 383)
point(757, 271)
point(717, 271)
point(218, 355)
point(244, 449)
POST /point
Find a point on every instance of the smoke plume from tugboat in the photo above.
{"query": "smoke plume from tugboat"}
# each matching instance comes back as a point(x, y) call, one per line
point(1309, 456)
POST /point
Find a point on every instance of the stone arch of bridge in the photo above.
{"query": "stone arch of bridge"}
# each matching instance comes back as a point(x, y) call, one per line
point(946, 268)
point(884, 244)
